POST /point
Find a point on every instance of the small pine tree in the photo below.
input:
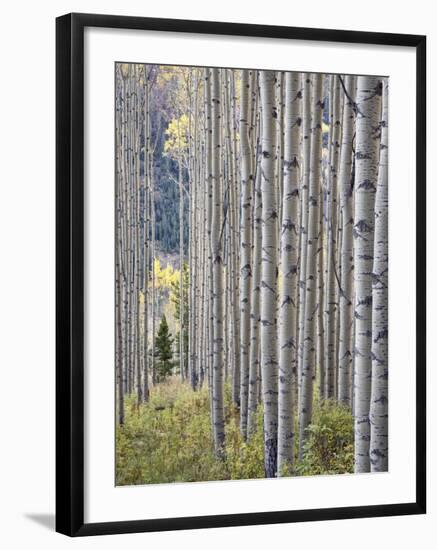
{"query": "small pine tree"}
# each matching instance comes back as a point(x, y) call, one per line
point(163, 351)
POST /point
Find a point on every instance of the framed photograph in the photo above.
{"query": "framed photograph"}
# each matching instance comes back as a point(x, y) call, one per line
point(240, 274)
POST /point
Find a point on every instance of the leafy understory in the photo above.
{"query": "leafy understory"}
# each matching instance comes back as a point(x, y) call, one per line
point(169, 439)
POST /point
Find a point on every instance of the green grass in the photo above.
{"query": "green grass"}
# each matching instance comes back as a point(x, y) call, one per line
point(169, 439)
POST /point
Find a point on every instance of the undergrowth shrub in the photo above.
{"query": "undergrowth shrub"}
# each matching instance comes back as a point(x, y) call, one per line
point(329, 448)
point(169, 439)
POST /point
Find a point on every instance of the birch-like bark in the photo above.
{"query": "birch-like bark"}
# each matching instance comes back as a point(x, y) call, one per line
point(255, 305)
point(366, 170)
point(138, 223)
point(288, 273)
point(119, 249)
point(269, 362)
point(303, 237)
point(129, 249)
point(320, 345)
point(279, 168)
point(204, 178)
point(216, 247)
point(181, 271)
point(332, 283)
point(378, 416)
point(235, 240)
point(194, 191)
point(153, 253)
point(209, 211)
point(245, 247)
point(146, 221)
point(346, 180)
point(308, 364)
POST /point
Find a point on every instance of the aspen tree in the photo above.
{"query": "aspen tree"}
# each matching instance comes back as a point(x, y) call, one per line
point(255, 304)
point(303, 237)
point(346, 179)
point(308, 362)
point(269, 362)
point(181, 262)
point(118, 249)
point(245, 247)
point(366, 174)
point(320, 345)
point(378, 415)
point(146, 222)
point(235, 242)
point(331, 282)
point(138, 266)
point(288, 272)
point(233, 224)
point(209, 215)
point(217, 261)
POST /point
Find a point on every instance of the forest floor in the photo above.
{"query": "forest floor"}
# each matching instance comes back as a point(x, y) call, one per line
point(169, 439)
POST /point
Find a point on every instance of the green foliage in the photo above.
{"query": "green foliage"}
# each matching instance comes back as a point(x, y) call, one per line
point(164, 352)
point(244, 459)
point(169, 439)
point(175, 295)
point(175, 298)
point(330, 445)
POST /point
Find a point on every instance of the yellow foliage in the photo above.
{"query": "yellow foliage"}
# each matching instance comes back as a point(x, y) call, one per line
point(176, 142)
point(164, 277)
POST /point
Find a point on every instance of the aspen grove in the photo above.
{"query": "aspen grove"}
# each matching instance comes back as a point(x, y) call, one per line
point(261, 350)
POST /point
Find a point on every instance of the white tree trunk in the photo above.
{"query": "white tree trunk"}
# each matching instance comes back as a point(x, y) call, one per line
point(306, 151)
point(308, 364)
point(269, 362)
point(379, 394)
point(331, 283)
point(366, 169)
point(255, 307)
point(245, 248)
point(289, 273)
point(346, 279)
point(217, 276)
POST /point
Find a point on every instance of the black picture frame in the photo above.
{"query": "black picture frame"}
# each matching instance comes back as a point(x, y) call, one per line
point(70, 273)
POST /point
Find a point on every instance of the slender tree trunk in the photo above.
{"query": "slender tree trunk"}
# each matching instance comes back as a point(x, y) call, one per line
point(269, 362)
point(235, 241)
point(194, 266)
point(217, 279)
point(118, 252)
point(303, 238)
point(153, 297)
point(288, 273)
point(181, 271)
point(346, 180)
point(209, 215)
point(138, 216)
point(379, 395)
point(255, 307)
point(308, 363)
point(320, 346)
point(366, 166)
point(245, 248)
point(332, 283)
point(146, 221)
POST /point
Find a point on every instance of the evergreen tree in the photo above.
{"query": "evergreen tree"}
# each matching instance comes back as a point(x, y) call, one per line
point(163, 351)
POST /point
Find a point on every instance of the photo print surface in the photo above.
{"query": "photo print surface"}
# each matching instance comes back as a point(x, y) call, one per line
point(251, 274)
